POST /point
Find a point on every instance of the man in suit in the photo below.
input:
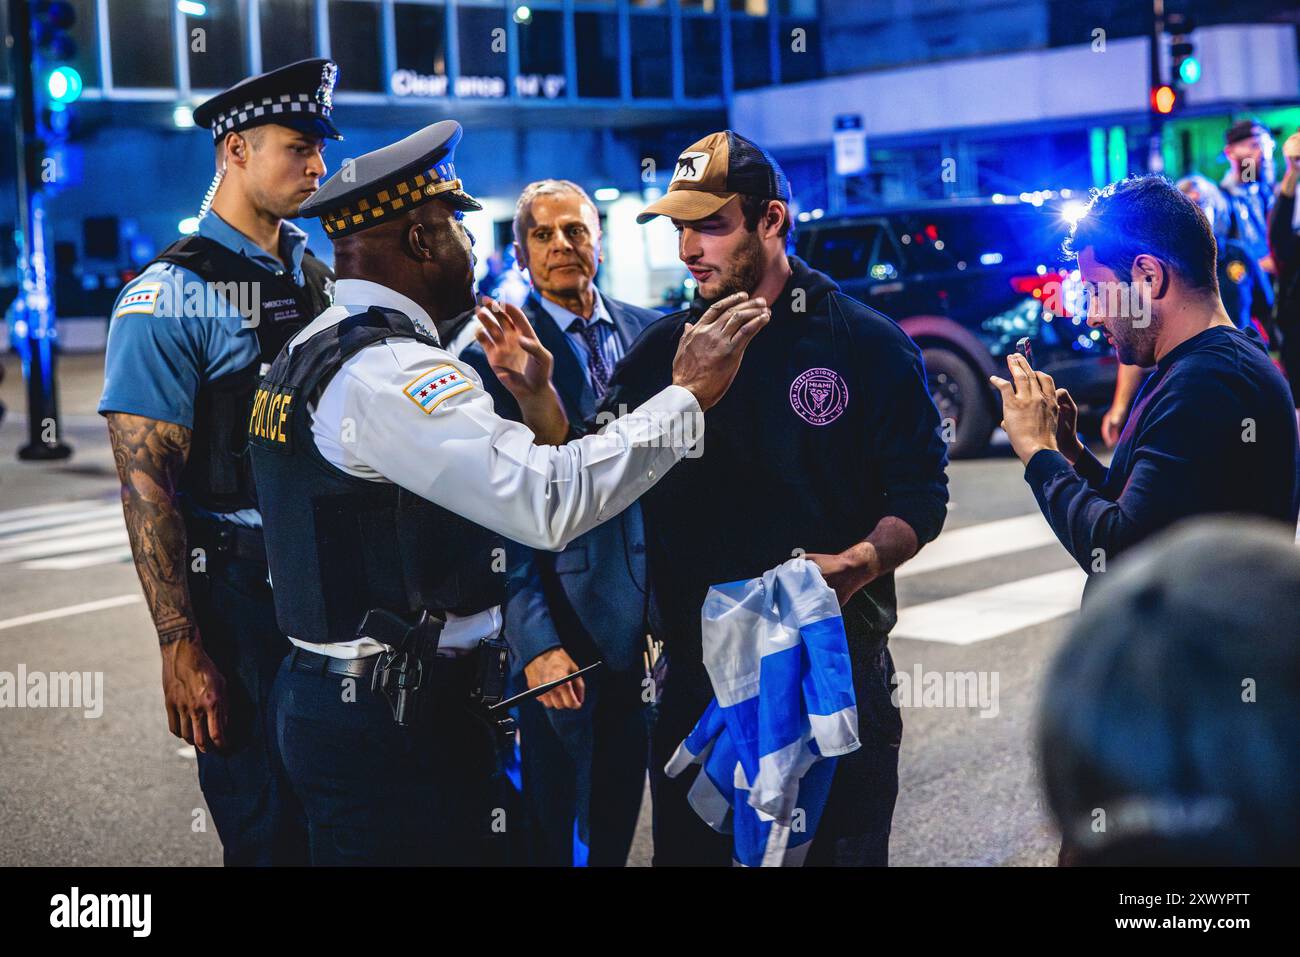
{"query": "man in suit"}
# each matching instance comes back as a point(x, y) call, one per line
point(583, 745)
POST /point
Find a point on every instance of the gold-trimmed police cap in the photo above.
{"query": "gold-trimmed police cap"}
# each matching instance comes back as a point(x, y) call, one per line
point(299, 96)
point(377, 186)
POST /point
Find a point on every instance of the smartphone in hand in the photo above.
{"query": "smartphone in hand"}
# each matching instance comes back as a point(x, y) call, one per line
point(1026, 350)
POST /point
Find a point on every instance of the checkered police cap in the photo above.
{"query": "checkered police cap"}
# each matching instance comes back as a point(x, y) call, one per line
point(299, 96)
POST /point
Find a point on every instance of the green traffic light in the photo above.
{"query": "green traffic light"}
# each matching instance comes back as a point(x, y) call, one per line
point(63, 84)
point(1189, 71)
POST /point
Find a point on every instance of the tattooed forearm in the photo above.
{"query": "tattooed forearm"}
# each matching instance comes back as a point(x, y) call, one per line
point(150, 455)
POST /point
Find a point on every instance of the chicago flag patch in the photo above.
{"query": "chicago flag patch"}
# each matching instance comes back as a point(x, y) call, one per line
point(141, 299)
point(428, 389)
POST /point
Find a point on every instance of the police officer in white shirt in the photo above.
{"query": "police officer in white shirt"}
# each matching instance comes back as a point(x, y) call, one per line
point(385, 478)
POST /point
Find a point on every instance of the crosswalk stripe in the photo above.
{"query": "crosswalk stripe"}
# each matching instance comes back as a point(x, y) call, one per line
point(976, 542)
point(103, 556)
point(991, 612)
point(68, 610)
point(65, 531)
point(64, 536)
point(7, 514)
point(55, 519)
point(63, 546)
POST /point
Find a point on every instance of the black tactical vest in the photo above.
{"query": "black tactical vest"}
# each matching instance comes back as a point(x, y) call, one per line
point(217, 476)
point(339, 545)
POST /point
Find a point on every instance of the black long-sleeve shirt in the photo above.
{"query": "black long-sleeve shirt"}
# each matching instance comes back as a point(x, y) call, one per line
point(1213, 429)
point(828, 428)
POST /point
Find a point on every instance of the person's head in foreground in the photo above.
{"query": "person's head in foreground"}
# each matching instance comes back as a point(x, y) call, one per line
point(729, 201)
point(1146, 255)
point(1167, 728)
point(395, 219)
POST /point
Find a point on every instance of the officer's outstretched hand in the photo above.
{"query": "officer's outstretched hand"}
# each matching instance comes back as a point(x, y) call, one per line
point(195, 694)
point(709, 353)
point(513, 350)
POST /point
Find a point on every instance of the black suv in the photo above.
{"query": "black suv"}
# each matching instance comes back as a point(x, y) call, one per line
point(966, 279)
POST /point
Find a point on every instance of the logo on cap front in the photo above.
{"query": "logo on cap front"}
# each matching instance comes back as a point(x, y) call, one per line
point(819, 396)
point(690, 167)
point(325, 92)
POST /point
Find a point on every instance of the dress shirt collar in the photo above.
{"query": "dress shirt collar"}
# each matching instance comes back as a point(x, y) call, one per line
point(565, 318)
point(358, 295)
point(292, 241)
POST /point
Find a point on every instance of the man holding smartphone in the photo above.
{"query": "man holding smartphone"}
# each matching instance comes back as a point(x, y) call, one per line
point(1213, 428)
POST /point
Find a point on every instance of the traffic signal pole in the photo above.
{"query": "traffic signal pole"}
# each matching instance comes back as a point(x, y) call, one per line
point(34, 307)
point(1155, 155)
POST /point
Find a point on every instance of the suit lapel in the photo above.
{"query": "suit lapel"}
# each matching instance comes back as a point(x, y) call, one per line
point(569, 378)
point(628, 328)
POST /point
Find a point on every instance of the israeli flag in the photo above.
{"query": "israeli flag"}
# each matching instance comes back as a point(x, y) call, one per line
point(783, 710)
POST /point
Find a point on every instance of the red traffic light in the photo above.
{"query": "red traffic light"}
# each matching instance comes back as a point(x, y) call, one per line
point(1163, 98)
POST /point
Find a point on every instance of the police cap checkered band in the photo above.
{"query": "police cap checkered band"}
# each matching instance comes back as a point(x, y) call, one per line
point(299, 96)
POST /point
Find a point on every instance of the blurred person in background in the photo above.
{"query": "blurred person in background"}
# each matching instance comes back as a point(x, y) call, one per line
point(1248, 185)
point(1242, 284)
point(1284, 244)
point(1166, 730)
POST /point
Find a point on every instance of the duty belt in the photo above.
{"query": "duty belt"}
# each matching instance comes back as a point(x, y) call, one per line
point(226, 538)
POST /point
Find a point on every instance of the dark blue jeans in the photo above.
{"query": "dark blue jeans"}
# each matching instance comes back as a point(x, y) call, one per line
point(377, 793)
point(854, 829)
point(253, 808)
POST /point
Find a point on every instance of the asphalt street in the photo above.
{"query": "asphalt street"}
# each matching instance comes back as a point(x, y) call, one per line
point(992, 596)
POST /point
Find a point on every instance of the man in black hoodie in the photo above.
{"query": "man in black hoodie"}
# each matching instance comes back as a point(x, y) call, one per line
point(827, 446)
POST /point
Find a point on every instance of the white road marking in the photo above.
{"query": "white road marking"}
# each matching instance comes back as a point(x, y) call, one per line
point(51, 519)
point(103, 556)
point(61, 546)
point(69, 610)
point(66, 531)
point(974, 542)
point(991, 612)
point(64, 536)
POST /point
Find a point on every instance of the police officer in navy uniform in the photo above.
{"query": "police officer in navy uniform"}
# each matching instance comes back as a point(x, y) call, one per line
point(385, 477)
point(189, 339)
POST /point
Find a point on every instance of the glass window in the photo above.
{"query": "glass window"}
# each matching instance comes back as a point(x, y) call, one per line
point(482, 39)
point(798, 8)
point(541, 55)
point(755, 8)
point(140, 37)
point(421, 38)
point(595, 39)
point(288, 32)
point(651, 45)
point(844, 252)
point(702, 56)
point(216, 46)
point(356, 42)
point(801, 50)
point(751, 60)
